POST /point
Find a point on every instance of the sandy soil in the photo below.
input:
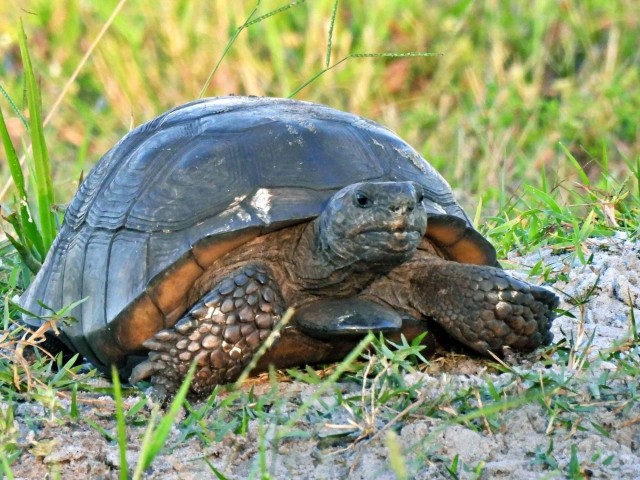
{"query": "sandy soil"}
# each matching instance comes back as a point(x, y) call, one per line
point(604, 437)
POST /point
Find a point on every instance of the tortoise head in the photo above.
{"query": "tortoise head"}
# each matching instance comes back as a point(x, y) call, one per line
point(374, 222)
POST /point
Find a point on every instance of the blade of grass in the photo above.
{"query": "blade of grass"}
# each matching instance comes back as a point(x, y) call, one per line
point(396, 461)
point(67, 86)
point(330, 380)
point(360, 55)
point(214, 470)
point(6, 468)
point(274, 12)
point(83, 61)
point(226, 50)
point(12, 158)
point(152, 446)
point(120, 423)
point(330, 39)
point(247, 23)
point(581, 173)
point(73, 408)
point(273, 336)
point(31, 232)
point(632, 318)
point(546, 199)
point(14, 107)
point(25, 255)
point(42, 169)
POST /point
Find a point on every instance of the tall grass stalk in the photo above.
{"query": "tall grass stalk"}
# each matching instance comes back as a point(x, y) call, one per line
point(43, 184)
point(359, 55)
point(155, 437)
point(226, 49)
point(120, 424)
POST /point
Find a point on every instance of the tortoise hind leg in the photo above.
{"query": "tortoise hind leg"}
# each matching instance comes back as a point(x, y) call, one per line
point(221, 333)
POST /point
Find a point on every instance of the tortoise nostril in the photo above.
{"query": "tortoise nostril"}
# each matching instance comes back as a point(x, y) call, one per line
point(402, 207)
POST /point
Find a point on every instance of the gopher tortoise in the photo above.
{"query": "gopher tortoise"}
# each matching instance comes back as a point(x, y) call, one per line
point(193, 235)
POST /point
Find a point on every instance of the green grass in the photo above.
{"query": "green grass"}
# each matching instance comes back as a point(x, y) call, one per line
point(529, 111)
point(489, 111)
point(34, 226)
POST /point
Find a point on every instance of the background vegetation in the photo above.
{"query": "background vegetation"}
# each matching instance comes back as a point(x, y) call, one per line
point(530, 110)
point(512, 81)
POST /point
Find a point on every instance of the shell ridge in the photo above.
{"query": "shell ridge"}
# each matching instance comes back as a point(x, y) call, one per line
point(90, 350)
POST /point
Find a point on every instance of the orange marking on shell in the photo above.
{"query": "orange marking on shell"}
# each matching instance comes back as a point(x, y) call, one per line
point(141, 321)
point(169, 291)
point(459, 242)
point(443, 235)
point(467, 251)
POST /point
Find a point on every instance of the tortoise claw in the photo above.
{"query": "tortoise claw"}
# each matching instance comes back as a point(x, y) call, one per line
point(503, 311)
point(481, 306)
point(143, 371)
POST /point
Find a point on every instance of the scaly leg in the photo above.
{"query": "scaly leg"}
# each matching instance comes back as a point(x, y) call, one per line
point(480, 306)
point(221, 332)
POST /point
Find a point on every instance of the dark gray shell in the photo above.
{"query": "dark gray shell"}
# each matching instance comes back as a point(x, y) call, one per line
point(216, 171)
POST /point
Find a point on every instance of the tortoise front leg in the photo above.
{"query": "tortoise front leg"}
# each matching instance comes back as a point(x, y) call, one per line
point(480, 306)
point(221, 332)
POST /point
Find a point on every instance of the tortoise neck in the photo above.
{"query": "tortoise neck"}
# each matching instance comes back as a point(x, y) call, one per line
point(318, 267)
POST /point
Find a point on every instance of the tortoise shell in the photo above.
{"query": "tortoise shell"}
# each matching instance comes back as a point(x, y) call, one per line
point(196, 182)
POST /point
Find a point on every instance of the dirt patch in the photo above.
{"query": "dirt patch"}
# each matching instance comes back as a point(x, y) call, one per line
point(599, 436)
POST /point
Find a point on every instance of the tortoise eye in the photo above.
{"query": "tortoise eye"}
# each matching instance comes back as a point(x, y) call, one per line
point(362, 200)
